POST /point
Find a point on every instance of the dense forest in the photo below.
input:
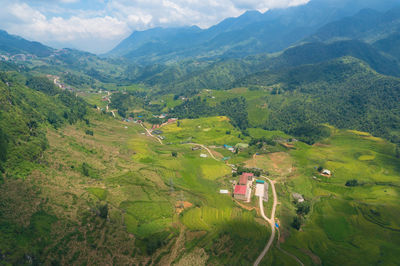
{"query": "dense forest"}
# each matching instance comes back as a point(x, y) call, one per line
point(235, 109)
point(345, 93)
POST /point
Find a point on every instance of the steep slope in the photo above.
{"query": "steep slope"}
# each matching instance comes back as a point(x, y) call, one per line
point(134, 42)
point(368, 25)
point(251, 33)
point(223, 73)
point(311, 53)
point(11, 44)
point(344, 92)
point(25, 112)
point(390, 44)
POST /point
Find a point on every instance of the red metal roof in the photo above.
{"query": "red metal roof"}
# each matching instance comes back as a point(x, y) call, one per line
point(247, 174)
point(240, 189)
point(243, 180)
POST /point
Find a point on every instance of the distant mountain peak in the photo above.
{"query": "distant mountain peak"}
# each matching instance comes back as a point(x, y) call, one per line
point(12, 44)
point(250, 33)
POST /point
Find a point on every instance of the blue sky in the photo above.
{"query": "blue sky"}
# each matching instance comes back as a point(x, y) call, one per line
point(98, 25)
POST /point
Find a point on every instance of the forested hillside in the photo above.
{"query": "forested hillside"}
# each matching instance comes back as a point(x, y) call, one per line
point(249, 34)
point(28, 106)
point(222, 74)
point(134, 157)
point(344, 92)
point(12, 45)
point(368, 25)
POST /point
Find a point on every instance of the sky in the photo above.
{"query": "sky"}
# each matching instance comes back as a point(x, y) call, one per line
point(99, 25)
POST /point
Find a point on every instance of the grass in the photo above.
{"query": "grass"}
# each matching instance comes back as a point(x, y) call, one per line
point(357, 225)
point(100, 193)
point(142, 183)
point(256, 100)
point(207, 131)
point(259, 133)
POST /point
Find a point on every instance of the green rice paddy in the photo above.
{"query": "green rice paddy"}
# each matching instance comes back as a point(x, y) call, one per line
point(347, 225)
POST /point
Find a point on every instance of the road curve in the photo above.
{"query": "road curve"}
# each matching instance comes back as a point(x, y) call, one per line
point(151, 135)
point(208, 150)
point(271, 221)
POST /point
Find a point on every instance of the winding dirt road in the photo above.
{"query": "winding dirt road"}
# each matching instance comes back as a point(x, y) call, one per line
point(271, 220)
point(207, 149)
point(151, 135)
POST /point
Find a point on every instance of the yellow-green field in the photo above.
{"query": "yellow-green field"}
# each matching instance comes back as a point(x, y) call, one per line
point(165, 208)
point(207, 131)
point(347, 225)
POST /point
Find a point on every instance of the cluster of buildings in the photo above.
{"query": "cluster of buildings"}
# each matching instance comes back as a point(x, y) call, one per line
point(242, 189)
point(239, 146)
point(169, 121)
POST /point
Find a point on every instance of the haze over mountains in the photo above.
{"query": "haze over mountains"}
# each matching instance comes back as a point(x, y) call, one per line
point(251, 33)
point(118, 159)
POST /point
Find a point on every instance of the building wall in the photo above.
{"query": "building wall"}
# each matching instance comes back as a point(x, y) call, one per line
point(240, 197)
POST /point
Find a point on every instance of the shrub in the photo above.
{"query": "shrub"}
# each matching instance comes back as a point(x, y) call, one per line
point(303, 208)
point(85, 169)
point(352, 183)
point(297, 221)
point(103, 211)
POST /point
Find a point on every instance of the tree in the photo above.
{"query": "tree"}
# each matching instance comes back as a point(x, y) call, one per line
point(297, 221)
point(85, 169)
point(397, 151)
point(42, 84)
point(3, 149)
point(303, 208)
point(53, 119)
point(352, 183)
point(103, 211)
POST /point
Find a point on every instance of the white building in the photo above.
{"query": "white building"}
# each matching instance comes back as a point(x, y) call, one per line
point(326, 172)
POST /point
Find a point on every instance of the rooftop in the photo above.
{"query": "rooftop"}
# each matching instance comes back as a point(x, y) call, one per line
point(243, 180)
point(240, 189)
point(247, 175)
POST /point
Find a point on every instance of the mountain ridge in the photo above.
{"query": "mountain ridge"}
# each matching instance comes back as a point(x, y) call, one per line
point(250, 33)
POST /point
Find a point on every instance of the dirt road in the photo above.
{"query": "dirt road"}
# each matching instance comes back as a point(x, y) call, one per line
point(271, 221)
point(151, 135)
point(208, 150)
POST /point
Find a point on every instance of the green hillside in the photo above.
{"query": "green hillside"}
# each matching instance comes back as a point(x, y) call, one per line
point(26, 111)
point(136, 160)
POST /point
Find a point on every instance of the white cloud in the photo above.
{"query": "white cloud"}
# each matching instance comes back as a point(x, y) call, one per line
point(69, 1)
point(97, 25)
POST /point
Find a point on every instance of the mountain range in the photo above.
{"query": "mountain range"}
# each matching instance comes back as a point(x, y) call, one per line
point(250, 33)
point(292, 92)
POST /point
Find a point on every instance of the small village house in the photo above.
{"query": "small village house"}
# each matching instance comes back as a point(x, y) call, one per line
point(240, 192)
point(326, 172)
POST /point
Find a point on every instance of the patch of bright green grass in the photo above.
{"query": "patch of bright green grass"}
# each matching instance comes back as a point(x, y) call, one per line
point(208, 131)
point(100, 193)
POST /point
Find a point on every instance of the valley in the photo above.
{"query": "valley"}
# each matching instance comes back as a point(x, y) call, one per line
point(267, 139)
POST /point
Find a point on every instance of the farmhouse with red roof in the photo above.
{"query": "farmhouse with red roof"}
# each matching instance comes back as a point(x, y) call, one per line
point(240, 192)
